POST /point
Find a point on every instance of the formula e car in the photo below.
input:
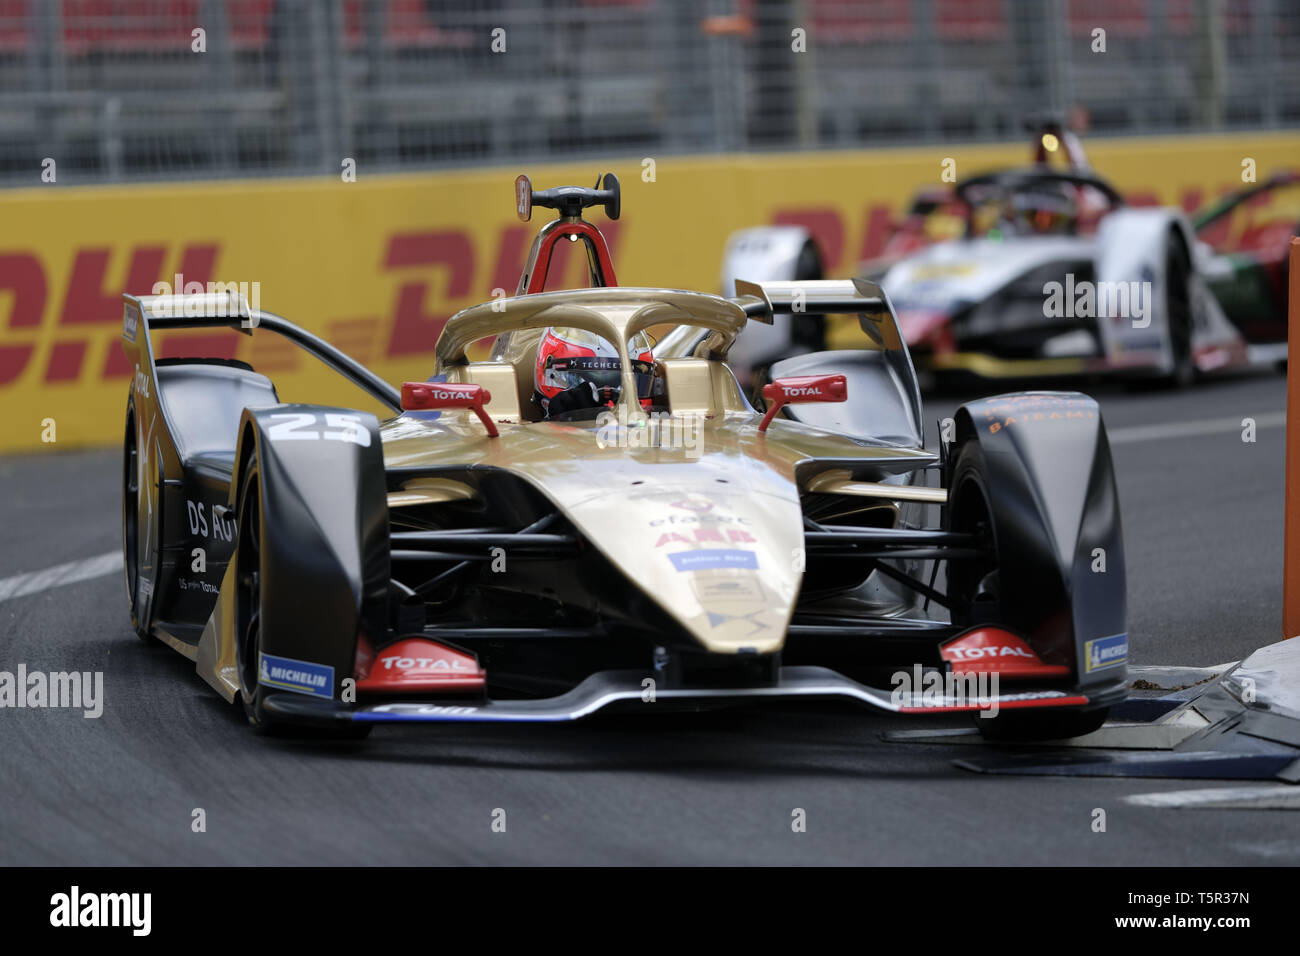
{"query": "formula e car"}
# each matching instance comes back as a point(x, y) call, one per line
point(1246, 239)
point(478, 556)
point(1053, 275)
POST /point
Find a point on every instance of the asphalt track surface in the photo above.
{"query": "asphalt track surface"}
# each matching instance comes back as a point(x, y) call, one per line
point(1203, 531)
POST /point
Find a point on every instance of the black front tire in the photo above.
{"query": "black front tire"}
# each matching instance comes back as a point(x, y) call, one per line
point(974, 590)
point(973, 584)
point(248, 596)
point(248, 611)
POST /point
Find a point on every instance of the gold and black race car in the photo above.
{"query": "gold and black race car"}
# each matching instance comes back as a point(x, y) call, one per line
point(573, 525)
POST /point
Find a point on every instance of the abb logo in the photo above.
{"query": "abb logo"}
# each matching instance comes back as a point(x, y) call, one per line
point(433, 269)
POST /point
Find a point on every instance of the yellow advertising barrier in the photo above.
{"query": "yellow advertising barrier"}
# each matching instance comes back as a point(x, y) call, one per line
point(377, 265)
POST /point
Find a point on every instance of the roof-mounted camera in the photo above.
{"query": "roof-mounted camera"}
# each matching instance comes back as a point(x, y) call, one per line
point(568, 200)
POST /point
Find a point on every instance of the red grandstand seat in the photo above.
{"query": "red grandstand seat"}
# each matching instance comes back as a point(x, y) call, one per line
point(128, 26)
point(1119, 18)
point(1134, 18)
point(13, 26)
point(249, 23)
point(406, 25)
point(860, 21)
point(962, 20)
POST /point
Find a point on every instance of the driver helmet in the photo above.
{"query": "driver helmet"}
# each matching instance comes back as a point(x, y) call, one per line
point(587, 367)
point(1046, 209)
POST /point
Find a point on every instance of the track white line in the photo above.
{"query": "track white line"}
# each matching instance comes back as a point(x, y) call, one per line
point(1208, 426)
point(1278, 796)
point(33, 582)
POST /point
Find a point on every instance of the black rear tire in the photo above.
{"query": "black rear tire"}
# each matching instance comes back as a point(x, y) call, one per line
point(136, 515)
point(1178, 311)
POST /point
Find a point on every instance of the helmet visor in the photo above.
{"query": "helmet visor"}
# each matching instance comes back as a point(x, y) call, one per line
point(601, 371)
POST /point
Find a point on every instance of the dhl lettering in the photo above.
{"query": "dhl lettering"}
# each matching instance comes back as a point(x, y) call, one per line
point(381, 285)
point(91, 299)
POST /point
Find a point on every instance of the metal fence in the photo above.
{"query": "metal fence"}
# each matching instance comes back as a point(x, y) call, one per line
point(151, 89)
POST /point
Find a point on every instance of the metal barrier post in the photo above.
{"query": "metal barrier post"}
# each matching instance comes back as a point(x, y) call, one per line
point(1291, 550)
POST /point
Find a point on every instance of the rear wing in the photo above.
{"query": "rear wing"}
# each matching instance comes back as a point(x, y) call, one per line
point(763, 300)
point(143, 314)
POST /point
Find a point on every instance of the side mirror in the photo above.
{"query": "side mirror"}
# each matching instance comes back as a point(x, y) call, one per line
point(430, 396)
point(801, 389)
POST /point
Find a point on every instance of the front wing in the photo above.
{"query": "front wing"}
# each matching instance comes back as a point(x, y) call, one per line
point(606, 689)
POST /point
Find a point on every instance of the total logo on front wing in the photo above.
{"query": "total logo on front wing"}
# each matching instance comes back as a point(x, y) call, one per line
point(983, 653)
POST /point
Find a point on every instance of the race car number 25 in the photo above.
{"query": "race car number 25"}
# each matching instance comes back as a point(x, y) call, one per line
point(331, 426)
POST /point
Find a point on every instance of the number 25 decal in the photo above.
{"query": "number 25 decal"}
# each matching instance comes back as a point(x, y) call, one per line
point(306, 426)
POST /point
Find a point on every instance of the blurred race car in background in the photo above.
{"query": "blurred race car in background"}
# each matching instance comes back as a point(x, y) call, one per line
point(1248, 235)
point(1054, 274)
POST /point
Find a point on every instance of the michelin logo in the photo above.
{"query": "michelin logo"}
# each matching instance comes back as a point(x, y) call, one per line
point(1105, 652)
point(301, 677)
